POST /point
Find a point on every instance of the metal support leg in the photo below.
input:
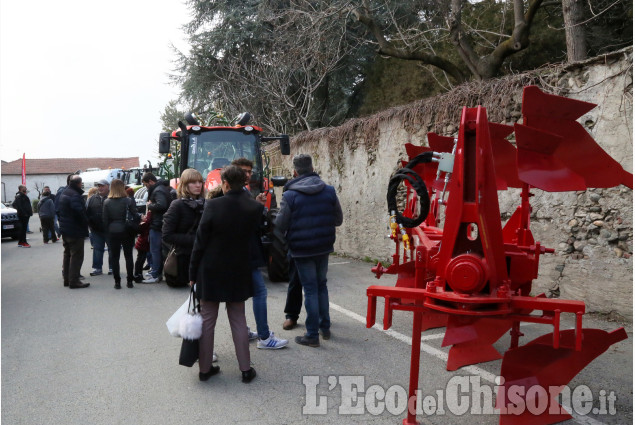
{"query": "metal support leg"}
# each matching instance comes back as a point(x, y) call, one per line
point(515, 334)
point(414, 368)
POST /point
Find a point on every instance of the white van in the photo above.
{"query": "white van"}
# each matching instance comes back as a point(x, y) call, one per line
point(91, 176)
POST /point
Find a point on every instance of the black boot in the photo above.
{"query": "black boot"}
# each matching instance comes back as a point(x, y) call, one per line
point(248, 375)
point(205, 376)
point(130, 285)
point(117, 283)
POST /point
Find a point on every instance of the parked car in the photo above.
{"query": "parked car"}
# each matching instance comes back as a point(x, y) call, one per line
point(10, 222)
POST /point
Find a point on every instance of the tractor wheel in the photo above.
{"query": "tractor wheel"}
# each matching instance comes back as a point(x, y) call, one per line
point(277, 262)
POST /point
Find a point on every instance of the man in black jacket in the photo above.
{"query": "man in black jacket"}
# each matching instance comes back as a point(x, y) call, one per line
point(71, 211)
point(94, 212)
point(22, 204)
point(159, 200)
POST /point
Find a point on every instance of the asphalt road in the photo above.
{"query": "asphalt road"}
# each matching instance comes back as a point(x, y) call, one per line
point(102, 356)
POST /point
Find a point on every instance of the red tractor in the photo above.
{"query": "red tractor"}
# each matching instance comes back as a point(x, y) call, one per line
point(458, 267)
point(209, 148)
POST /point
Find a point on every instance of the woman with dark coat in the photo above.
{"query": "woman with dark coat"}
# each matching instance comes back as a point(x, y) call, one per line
point(116, 207)
point(181, 221)
point(221, 269)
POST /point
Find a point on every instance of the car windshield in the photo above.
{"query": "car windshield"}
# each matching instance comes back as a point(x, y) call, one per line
point(215, 149)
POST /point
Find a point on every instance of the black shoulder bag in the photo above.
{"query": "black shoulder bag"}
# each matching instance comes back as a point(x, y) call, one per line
point(133, 220)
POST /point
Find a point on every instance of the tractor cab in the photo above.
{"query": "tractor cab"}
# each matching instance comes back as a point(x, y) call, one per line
point(212, 148)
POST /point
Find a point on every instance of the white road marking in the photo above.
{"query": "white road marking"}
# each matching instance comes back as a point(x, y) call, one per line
point(442, 355)
point(435, 352)
point(337, 264)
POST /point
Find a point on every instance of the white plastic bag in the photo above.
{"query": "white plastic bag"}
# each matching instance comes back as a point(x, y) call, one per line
point(174, 321)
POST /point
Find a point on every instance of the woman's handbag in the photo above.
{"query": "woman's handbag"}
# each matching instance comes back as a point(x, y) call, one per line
point(133, 220)
point(170, 267)
point(189, 352)
point(190, 328)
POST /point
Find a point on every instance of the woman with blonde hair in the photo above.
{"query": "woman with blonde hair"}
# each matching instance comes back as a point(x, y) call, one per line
point(90, 193)
point(181, 221)
point(116, 208)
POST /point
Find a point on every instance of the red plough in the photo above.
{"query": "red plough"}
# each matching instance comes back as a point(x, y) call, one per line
point(474, 276)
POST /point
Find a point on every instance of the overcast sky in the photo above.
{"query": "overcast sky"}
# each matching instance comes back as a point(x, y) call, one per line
point(86, 79)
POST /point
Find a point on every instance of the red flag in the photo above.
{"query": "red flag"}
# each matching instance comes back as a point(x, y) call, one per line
point(24, 169)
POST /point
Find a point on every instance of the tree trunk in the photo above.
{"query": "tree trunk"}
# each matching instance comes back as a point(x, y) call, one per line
point(572, 10)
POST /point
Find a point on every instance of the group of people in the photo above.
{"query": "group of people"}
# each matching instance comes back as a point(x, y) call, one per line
point(226, 255)
point(105, 213)
point(46, 212)
point(109, 218)
point(216, 239)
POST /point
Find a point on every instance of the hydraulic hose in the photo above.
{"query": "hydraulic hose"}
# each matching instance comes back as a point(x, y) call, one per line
point(417, 183)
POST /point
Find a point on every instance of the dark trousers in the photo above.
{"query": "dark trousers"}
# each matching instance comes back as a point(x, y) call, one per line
point(24, 224)
point(142, 256)
point(294, 293)
point(73, 259)
point(117, 241)
point(238, 325)
point(48, 228)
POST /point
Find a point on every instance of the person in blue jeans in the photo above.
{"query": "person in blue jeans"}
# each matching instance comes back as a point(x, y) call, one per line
point(266, 339)
point(309, 213)
point(159, 200)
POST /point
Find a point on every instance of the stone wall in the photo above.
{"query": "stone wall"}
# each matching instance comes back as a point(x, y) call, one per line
point(592, 231)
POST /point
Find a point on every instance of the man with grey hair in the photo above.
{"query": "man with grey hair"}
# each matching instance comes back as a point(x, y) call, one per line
point(309, 213)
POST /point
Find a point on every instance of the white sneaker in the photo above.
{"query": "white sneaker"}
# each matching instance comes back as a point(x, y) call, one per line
point(214, 358)
point(252, 335)
point(152, 280)
point(147, 275)
point(272, 343)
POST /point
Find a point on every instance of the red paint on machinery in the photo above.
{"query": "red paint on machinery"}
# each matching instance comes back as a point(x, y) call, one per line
point(459, 267)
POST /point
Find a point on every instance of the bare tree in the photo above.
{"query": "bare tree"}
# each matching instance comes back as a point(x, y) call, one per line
point(38, 188)
point(398, 41)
